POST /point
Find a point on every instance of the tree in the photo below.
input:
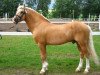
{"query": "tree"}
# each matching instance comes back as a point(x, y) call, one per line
point(92, 7)
point(43, 6)
point(66, 8)
point(1, 9)
point(9, 6)
point(70, 8)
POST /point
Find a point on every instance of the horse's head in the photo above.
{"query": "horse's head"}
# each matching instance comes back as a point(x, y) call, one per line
point(20, 14)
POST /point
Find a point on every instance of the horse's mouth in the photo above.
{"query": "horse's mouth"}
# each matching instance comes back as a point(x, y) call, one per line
point(15, 22)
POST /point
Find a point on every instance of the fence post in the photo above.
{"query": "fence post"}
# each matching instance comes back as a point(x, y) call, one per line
point(89, 18)
point(99, 22)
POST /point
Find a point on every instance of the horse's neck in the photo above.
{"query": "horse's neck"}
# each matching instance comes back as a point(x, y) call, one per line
point(34, 19)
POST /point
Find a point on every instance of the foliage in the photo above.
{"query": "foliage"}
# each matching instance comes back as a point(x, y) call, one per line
point(66, 8)
point(73, 8)
point(62, 8)
point(92, 7)
point(43, 6)
point(81, 17)
point(50, 15)
point(8, 6)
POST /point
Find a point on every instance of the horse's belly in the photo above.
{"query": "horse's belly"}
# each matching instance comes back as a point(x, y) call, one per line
point(58, 36)
point(57, 40)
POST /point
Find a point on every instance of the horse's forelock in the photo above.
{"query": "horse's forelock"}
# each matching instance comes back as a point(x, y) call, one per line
point(20, 7)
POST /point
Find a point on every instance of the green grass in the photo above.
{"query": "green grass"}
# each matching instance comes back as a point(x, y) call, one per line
point(22, 53)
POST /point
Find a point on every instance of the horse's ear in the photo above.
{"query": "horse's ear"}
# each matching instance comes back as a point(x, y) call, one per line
point(25, 9)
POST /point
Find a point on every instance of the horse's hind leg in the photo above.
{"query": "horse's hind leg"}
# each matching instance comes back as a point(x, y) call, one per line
point(87, 65)
point(78, 69)
point(83, 52)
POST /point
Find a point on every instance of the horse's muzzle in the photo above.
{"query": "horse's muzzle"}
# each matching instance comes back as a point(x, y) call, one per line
point(16, 20)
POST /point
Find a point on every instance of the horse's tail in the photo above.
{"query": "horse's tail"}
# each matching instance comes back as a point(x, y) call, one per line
point(91, 48)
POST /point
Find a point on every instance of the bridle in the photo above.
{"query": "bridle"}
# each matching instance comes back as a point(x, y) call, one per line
point(19, 17)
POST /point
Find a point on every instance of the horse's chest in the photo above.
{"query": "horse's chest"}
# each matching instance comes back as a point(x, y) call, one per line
point(39, 38)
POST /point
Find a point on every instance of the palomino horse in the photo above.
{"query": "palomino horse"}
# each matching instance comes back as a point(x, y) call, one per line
point(46, 33)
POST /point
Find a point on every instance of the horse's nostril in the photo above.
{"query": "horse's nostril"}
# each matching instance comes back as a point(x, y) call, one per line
point(14, 18)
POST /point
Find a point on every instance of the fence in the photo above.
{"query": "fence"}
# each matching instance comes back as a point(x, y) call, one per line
point(8, 22)
point(29, 33)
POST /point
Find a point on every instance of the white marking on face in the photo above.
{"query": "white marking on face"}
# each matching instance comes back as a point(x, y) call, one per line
point(18, 11)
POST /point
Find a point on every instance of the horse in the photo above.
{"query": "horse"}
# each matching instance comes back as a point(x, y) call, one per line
point(46, 33)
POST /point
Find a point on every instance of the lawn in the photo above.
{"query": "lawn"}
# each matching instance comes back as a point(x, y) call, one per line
point(20, 55)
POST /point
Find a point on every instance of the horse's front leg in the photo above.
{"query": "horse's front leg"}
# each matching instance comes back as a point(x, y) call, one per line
point(43, 57)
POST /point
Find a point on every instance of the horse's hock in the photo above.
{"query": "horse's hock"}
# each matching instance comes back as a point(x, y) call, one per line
point(21, 27)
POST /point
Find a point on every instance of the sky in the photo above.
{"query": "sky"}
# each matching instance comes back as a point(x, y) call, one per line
point(52, 3)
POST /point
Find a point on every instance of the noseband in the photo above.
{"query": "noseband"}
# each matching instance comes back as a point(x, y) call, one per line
point(20, 17)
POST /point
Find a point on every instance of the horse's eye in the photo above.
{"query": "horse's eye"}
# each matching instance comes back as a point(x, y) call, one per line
point(21, 12)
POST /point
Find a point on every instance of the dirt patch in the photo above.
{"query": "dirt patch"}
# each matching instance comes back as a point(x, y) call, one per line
point(31, 72)
point(95, 73)
point(16, 72)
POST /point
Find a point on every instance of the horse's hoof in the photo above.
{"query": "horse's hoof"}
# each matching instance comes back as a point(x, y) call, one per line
point(42, 72)
point(86, 72)
point(77, 70)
